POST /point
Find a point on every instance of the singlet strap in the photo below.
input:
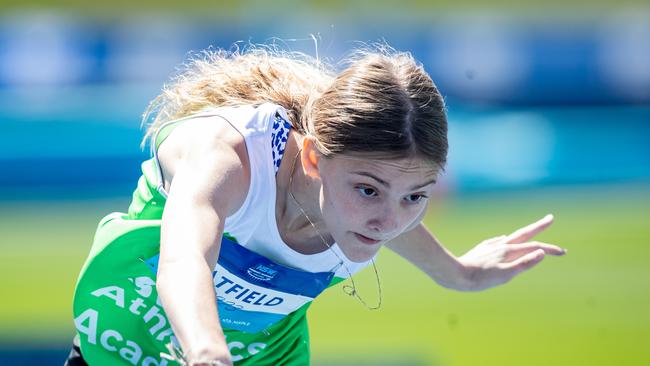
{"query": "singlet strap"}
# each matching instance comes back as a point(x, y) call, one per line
point(160, 136)
point(279, 136)
point(166, 129)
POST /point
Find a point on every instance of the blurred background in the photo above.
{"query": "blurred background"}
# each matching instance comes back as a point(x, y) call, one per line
point(549, 111)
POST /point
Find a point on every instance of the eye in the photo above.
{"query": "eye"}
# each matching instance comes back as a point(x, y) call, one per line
point(366, 191)
point(415, 198)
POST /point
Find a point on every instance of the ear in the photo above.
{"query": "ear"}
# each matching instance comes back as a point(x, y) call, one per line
point(309, 157)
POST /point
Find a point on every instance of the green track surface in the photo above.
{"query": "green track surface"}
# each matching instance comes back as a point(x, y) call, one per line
point(587, 308)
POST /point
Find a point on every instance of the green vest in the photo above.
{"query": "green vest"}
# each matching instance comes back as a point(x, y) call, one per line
point(116, 312)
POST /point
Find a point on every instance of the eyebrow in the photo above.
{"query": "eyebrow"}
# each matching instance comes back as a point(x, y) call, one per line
point(387, 185)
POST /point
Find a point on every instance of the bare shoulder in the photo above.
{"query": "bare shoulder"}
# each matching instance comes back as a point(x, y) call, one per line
point(206, 158)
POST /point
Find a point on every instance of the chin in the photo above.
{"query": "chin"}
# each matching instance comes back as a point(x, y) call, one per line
point(360, 254)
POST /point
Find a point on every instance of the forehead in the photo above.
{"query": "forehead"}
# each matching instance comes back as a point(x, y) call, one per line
point(412, 166)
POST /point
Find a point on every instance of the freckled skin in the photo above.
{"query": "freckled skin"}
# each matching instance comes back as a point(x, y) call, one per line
point(348, 208)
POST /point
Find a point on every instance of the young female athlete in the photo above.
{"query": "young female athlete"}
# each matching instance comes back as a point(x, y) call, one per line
point(271, 179)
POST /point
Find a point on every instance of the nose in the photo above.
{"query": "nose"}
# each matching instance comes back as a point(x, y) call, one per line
point(385, 221)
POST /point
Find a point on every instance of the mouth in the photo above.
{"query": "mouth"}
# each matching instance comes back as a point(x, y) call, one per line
point(366, 240)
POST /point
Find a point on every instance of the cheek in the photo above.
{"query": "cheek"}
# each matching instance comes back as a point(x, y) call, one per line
point(340, 206)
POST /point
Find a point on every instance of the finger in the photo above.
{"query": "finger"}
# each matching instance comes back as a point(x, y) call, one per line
point(525, 262)
point(517, 250)
point(495, 240)
point(528, 232)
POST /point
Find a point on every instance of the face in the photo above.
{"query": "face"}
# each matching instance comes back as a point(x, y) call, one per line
point(367, 202)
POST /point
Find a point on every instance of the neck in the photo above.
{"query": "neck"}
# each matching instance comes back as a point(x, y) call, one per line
point(293, 216)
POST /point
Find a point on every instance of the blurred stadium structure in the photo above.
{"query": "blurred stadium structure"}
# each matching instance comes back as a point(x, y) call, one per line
point(477, 58)
point(508, 83)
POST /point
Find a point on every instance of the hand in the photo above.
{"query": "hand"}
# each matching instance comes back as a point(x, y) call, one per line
point(177, 355)
point(222, 359)
point(211, 363)
point(496, 261)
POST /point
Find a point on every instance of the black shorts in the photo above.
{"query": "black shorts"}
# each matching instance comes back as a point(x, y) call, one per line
point(75, 358)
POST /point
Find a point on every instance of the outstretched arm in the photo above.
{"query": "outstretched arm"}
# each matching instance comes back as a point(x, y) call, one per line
point(491, 263)
point(209, 180)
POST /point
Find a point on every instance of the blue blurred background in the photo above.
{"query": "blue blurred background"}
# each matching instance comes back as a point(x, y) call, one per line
point(549, 110)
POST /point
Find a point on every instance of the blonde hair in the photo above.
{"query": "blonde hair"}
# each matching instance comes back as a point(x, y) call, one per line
point(382, 103)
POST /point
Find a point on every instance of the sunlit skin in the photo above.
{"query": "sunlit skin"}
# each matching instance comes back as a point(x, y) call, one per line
point(359, 202)
point(367, 202)
point(363, 202)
